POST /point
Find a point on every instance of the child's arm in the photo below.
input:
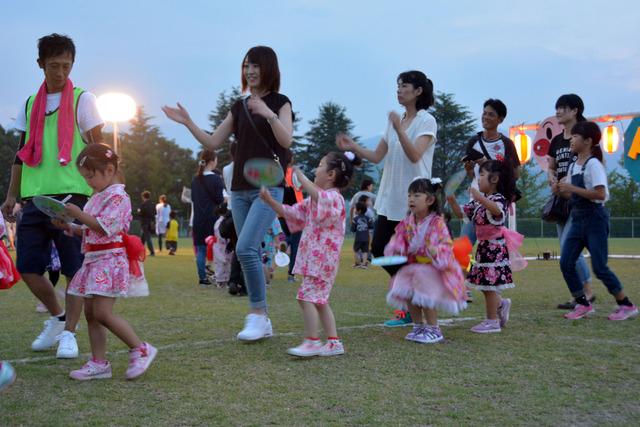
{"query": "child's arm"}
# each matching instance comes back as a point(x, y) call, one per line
point(491, 206)
point(596, 193)
point(86, 219)
point(455, 207)
point(69, 228)
point(308, 186)
point(275, 205)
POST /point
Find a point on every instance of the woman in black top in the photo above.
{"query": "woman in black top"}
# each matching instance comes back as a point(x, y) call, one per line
point(206, 195)
point(272, 114)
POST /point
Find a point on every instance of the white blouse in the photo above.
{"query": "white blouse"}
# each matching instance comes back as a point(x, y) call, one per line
point(399, 171)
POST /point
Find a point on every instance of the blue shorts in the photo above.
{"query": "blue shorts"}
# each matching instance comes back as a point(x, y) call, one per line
point(35, 232)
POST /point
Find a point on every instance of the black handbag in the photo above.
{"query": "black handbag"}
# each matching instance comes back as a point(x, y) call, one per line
point(556, 209)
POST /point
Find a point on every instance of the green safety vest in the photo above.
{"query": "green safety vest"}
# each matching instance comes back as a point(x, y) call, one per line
point(50, 177)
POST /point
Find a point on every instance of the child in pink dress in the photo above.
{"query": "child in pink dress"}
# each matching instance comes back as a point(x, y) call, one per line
point(111, 267)
point(9, 276)
point(321, 217)
point(432, 279)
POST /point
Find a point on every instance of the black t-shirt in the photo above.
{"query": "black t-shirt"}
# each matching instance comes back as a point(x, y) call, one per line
point(559, 150)
point(250, 145)
point(147, 211)
point(360, 226)
point(206, 195)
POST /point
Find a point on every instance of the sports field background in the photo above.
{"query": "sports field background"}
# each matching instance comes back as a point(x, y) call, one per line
point(541, 370)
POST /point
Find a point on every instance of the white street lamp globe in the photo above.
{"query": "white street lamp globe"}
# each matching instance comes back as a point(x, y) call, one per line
point(116, 107)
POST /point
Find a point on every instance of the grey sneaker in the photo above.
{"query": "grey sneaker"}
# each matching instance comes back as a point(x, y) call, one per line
point(415, 332)
point(430, 335)
point(503, 312)
point(487, 326)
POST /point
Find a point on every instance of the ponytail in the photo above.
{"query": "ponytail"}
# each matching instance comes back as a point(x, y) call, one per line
point(206, 156)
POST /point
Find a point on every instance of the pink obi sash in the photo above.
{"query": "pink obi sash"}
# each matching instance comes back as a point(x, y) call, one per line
point(512, 239)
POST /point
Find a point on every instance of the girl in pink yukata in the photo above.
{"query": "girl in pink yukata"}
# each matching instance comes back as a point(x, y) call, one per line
point(432, 279)
point(497, 250)
point(110, 260)
point(321, 217)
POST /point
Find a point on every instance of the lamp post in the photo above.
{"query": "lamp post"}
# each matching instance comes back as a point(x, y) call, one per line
point(116, 107)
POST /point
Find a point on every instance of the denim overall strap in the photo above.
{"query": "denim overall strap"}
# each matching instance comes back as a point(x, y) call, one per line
point(576, 201)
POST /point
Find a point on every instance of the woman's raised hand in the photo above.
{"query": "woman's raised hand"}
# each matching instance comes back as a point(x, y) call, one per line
point(395, 120)
point(344, 142)
point(179, 115)
point(257, 106)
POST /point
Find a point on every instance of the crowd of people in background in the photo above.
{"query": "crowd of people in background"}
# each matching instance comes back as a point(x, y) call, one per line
point(239, 228)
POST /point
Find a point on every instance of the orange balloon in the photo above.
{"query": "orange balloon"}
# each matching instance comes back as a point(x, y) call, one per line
point(462, 248)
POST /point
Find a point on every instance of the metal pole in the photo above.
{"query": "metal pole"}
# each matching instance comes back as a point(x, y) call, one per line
point(115, 137)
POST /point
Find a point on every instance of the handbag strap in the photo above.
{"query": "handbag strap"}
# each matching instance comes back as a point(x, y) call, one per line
point(255, 129)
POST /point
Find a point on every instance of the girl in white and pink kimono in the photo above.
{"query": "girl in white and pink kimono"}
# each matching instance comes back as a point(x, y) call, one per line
point(321, 217)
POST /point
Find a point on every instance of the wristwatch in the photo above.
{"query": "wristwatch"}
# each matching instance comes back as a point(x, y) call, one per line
point(272, 119)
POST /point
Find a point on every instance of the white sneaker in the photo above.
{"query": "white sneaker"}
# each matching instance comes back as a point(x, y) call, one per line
point(67, 345)
point(332, 348)
point(47, 338)
point(256, 327)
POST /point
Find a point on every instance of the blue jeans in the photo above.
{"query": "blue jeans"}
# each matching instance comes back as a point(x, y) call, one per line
point(252, 217)
point(201, 261)
point(581, 263)
point(588, 228)
point(469, 230)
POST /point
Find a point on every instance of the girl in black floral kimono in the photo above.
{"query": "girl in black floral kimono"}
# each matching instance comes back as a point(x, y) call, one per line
point(491, 271)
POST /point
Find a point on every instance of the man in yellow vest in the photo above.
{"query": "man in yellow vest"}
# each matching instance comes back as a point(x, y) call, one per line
point(55, 125)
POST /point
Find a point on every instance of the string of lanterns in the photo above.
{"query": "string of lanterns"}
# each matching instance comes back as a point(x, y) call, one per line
point(609, 142)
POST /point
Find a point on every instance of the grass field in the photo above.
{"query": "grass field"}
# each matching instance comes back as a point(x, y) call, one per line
point(541, 370)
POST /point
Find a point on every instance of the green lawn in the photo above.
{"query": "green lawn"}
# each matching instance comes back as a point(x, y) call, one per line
point(541, 370)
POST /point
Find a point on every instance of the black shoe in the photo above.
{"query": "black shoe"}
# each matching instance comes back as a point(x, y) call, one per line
point(233, 288)
point(205, 284)
point(570, 305)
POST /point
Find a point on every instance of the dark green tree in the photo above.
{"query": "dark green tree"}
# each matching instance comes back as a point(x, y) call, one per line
point(320, 139)
point(8, 146)
point(152, 162)
point(455, 126)
point(218, 114)
point(624, 193)
point(534, 190)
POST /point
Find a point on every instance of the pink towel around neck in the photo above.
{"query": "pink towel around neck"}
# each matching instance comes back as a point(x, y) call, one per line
point(31, 153)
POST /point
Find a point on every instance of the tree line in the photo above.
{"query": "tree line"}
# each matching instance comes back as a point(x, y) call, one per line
point(158, 164)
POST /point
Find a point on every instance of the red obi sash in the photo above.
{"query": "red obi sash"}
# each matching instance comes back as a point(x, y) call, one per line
point(133, 246)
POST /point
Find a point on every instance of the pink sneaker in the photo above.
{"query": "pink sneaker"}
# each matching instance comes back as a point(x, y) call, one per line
point(580, 311)
point(624, 312)
point(308, 348)
point(487, 326)
point(92, 371)
point(332, 348)
point(139, 360)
